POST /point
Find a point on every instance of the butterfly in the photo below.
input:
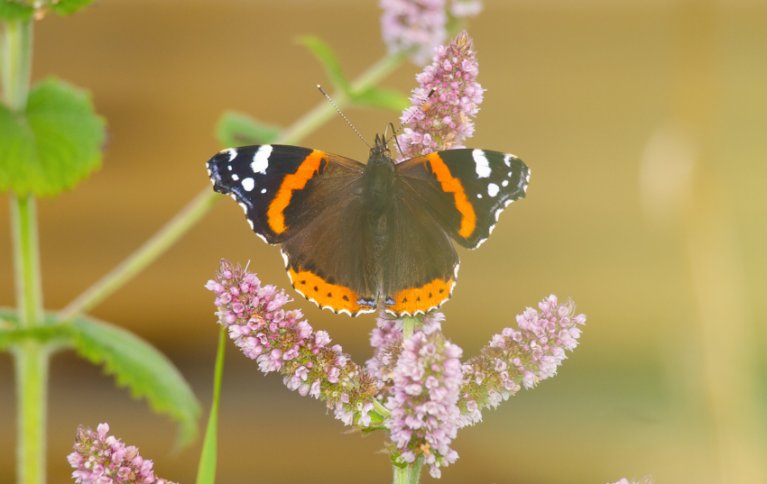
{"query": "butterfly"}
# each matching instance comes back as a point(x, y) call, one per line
point(356, 237)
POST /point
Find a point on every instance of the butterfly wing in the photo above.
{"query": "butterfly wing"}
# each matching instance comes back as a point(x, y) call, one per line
point(465, 190)
point(418, 261)
point(270, 182)
point(308, 201)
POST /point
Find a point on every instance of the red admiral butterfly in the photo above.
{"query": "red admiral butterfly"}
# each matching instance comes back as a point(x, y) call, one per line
point(355, 237)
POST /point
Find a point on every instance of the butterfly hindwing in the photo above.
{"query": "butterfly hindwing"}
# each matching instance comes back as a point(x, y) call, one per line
point(331, 261)
point(466, 190)
point(419, 263)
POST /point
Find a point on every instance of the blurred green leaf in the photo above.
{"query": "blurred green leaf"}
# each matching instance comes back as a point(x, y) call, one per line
point(381, 98)
point(143, 369)
point(237, 129)
point(324, 53)
point(68, 7)
point(15, 10)
point(53, 144)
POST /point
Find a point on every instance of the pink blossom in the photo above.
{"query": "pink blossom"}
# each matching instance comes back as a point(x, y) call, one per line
point(418, 26)
point(444, 103)
point(423, 402)
point(280, 340)
point(519, 358)
point(104, 459)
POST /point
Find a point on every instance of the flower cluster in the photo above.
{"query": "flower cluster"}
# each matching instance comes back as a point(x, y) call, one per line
point(281, 340)
point(519, 358)
point(418, 26)
point(445, 101)
point(423, 403)
point(102, 458)
point(428, 393)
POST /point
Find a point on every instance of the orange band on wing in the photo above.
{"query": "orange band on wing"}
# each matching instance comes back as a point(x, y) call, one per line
point(275, 215)
point(422, 299)
point(450, 184)
point(324, 294)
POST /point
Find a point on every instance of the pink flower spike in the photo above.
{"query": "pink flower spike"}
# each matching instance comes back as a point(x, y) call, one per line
point(444, 103)
point(102, 458)
point(419, 26)
point(423, 401)
point(280, 340)
point(519, 358)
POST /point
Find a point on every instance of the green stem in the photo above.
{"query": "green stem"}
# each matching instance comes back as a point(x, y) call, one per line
point(145, 255)
point(31, 364)
point(408, 327)
point(194, 211)
point(206, 470)
point(410, 474)
point(30, 358)
point(16, 62)
point(26, 254)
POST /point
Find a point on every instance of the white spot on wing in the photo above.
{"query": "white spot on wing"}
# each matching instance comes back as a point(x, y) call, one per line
point(505, 183)
point(263, 190)
point(231, 152)
point(481, 163)
point(235, 177)
point(261, 159)
point(492, 189)
point(248, 184)
point(507, 160)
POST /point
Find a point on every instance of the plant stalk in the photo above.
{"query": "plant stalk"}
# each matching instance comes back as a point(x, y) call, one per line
point(206, 470)
point(30, 358)
point(410, 474)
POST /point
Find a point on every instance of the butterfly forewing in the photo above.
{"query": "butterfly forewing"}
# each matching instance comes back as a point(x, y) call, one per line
point(466, 190)
point(270, 182)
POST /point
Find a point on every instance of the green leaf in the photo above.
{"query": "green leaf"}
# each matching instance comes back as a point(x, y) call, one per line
point(325, 55)
point(143, 369)
point(54, 143)
point(68, 7)
point(15, 10)
point(237, 129)
point(381, 98)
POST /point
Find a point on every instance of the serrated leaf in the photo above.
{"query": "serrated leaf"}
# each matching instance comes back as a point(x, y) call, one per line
point(143, 369)
point(68, 7)
point(237, 129)
point(381, 98)
point(325, 55)
point(15, 10)
point(54, 143)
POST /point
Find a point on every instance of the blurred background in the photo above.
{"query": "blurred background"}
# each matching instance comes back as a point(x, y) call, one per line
point(644, 125)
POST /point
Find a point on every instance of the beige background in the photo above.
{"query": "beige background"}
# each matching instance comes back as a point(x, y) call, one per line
point(670, 269)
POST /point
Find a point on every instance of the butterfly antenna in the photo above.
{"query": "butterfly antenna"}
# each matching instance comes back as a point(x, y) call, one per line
point(394, 135)
point(341, 113)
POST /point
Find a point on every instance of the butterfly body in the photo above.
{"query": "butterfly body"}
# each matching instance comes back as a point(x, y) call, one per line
point(356, 237)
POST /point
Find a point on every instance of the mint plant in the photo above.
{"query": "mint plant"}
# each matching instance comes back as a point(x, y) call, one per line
point(416, 388)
